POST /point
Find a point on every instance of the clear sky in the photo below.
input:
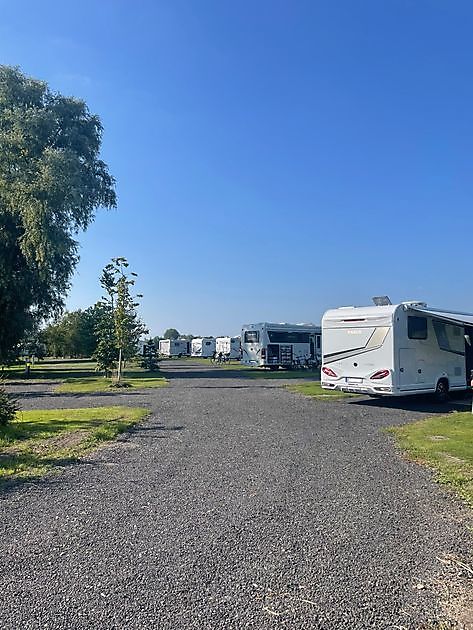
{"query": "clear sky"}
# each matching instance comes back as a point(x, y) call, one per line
point(273, 158)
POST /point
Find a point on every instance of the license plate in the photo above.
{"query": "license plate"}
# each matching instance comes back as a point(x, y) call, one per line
point(354, 380)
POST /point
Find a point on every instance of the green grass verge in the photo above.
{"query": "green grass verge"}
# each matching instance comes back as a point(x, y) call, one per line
point(445, 444)
point(39, 440)
point(51, 369)
point(90, 384)
point(315, 390)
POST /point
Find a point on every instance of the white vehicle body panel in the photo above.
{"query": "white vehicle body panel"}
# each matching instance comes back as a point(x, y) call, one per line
point(174, 347)
point(408, 346)
point(203, 347)
point(271, 345)
point(228, 346)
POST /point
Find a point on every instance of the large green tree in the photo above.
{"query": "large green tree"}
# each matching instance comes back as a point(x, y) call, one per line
point(171, 333)
point(51, 183)
point(74, 334)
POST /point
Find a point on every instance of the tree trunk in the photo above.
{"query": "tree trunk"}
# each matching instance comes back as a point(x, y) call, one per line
point(119, 371)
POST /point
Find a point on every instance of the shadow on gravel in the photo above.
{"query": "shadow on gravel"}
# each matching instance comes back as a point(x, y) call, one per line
point(252, 386)
point(116, 392)
point(178, 372)
point(423, 404)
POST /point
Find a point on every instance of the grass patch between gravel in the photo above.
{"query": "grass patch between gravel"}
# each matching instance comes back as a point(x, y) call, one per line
point(90, 384)
point(314, 390)
point(445, 444)
point(39, 440)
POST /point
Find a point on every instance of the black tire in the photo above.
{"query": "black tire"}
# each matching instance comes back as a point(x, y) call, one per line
point(441, 391)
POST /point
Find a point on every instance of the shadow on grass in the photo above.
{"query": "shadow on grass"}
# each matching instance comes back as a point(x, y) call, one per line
point(43, 374)
point(135, 391)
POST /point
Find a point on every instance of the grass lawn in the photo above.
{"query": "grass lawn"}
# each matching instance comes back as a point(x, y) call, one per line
point(37, 441)
point(89, 384)
point(79, 376)
point(315, 390)
point(51, 369)
point(444, 443)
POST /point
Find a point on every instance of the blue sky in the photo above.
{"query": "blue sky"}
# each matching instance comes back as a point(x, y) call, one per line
point(273, 159)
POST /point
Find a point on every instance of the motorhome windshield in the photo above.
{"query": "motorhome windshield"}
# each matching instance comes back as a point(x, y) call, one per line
point(251, 336)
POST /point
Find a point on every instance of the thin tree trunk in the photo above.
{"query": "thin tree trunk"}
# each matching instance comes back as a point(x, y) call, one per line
point(119, 371)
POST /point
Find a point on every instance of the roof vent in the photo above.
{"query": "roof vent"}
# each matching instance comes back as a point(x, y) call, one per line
point(381, 300)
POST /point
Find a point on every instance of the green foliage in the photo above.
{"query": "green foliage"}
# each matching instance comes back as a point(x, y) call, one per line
point(171, 333)
point(33, 346)
point(121, 326)
point(51, 183)
point(150, 358)
point(8, 407)
point(74, 334)
point(106, 351)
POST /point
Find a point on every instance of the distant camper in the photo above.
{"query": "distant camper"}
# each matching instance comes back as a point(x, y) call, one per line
point(280, 345)
point(174, 347)
point(396, 349)
point(228, 346)
point(203, 347)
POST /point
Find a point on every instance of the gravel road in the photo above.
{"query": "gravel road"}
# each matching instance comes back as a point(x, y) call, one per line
point(236, 505)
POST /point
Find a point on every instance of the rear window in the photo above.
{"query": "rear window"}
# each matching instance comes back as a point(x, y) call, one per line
point(416, 327)
point(251, 336)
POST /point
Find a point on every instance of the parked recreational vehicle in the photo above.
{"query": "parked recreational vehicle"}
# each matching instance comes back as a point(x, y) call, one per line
point(174, 347)
point(228, 346)
point(396, 349)
point(203, 347)
point(275, 345)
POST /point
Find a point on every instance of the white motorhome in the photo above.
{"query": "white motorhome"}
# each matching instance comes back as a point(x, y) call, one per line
point(174, 347)
point(203, 347)
point(228, 346)
point(280, 345)
point(396, 349)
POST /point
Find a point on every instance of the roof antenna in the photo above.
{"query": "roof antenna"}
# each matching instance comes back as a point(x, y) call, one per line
point(381, 300)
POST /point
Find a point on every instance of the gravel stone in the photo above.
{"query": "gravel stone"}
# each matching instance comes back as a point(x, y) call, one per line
point(237, 504)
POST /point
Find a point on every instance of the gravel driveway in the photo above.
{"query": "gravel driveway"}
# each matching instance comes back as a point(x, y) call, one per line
point(236, 505)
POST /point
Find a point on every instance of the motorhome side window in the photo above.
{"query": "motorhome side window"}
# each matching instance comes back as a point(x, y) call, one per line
point(416, 327)
point(251, 336)
point(282, 336)
point(449, 337)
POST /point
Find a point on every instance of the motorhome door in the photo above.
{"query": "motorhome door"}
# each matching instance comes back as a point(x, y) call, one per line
point(407, 368)
point(468, 352)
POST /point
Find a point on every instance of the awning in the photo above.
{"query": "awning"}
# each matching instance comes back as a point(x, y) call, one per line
point(447, 316)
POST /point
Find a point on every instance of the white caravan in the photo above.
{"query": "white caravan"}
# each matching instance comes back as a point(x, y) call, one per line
point(203, 347)
point(396, 349)
point(279, 345)
point(228, 346)
point(174, 347)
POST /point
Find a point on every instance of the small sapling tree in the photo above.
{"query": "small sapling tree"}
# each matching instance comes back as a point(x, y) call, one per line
point(121, 304)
